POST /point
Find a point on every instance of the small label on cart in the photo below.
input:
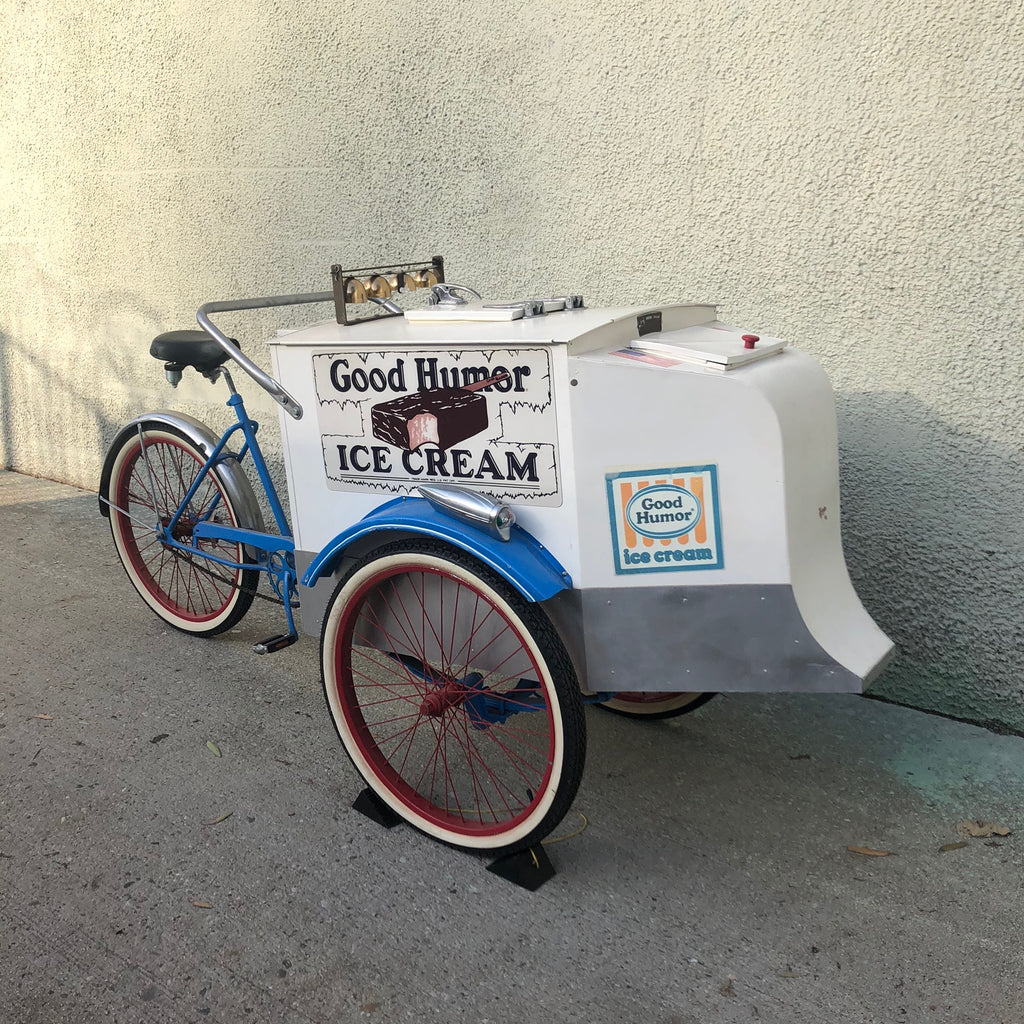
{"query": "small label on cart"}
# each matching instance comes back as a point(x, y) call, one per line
point(480, 419)
point(648, 323)
point(665, 519)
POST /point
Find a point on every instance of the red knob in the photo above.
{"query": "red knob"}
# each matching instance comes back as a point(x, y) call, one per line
point(750, 340)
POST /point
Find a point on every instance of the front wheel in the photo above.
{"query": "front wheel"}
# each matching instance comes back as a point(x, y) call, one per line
point(151, 473)
point(453, 696)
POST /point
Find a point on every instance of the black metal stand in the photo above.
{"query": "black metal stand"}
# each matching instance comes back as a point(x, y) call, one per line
point(371, 805)
point(529, 869)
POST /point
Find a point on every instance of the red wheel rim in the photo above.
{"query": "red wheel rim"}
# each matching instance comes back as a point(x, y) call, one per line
point(409, 724)
point(187, 587)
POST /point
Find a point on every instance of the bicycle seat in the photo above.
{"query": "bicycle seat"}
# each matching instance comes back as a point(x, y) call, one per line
point(189, 348)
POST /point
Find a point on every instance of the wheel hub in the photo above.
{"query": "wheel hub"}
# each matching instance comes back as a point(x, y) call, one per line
point(182, 531)
point(449, 695)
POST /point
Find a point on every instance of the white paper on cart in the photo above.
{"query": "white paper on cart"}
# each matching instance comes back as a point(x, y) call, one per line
point(470, 313)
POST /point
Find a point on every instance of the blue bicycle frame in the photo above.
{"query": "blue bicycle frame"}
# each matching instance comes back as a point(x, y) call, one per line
point(275, 553)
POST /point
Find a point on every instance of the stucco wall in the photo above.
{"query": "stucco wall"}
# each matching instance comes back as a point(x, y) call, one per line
point(847, 174)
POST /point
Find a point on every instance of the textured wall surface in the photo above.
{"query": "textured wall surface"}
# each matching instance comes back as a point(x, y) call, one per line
point(845, 174)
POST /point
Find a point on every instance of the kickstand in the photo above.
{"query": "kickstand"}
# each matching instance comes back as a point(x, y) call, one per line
point(371, 805)
point(529, 868)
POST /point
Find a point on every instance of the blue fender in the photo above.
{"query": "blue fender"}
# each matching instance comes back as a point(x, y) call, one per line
point(521, 560)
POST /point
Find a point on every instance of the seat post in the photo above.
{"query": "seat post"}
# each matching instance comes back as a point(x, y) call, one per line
point(227, 379)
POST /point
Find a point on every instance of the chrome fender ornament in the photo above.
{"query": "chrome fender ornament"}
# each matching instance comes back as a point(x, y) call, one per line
point(478, 509)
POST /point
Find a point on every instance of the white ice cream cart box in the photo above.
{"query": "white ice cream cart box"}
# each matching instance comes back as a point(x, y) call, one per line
point(679, 473)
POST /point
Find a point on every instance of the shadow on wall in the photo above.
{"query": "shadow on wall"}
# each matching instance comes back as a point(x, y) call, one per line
point(70, 363)
point(75, 367)
point(56, 414)
point(60, 409)
point(931, 526)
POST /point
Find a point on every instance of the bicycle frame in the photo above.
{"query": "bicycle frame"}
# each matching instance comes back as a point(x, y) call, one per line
point(274, 552)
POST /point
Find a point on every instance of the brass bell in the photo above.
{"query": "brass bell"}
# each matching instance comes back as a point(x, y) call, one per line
point(378, 287)
point(354, 290)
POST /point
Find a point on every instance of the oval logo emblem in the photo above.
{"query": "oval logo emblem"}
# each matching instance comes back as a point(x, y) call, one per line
point(663, 510)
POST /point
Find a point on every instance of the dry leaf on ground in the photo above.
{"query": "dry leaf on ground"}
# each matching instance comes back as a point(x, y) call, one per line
point(981, 829)
point(202, 904)
point(213, 748)
point(866, 851)
point(951, 846)
point(223, 817)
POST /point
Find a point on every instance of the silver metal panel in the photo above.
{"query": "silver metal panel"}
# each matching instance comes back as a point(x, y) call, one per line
point(313, 600)
point(742, 638)
point(738, 639)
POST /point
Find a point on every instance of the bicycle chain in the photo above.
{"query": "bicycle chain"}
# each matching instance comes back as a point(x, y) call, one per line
point(187, 556)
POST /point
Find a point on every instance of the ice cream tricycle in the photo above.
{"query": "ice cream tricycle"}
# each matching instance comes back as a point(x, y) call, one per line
point(501, 511)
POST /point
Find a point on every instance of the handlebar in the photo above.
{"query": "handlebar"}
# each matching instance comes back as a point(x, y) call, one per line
point(271, 386)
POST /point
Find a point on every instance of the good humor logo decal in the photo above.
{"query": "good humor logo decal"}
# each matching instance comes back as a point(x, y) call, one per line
point(665, 520)
point(480, 419)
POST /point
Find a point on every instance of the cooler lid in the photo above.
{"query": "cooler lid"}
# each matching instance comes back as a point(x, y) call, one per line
point(716, 345)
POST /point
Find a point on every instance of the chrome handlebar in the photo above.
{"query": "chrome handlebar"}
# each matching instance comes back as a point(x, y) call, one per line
point(271, 386)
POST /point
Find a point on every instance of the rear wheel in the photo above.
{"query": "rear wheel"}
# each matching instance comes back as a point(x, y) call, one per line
point(647, 704)
point(151, 474)
point(453, 696)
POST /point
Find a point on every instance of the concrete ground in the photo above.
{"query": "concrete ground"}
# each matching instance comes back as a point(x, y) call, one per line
point(712, 883)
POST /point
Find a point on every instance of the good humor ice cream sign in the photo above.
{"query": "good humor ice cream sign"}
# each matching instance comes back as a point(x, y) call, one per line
point(665, 520)
point(480, 419)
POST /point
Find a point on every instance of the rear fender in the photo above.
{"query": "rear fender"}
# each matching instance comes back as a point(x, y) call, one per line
point(232, 476)
point(522, 560)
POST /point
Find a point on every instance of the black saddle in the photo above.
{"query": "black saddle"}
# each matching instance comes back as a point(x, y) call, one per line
point(189, 348)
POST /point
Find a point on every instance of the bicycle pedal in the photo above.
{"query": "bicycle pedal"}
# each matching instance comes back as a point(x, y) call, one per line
point(274, 644)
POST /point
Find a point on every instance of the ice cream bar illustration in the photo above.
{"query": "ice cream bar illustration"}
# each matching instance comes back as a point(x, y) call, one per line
point(444, 416)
